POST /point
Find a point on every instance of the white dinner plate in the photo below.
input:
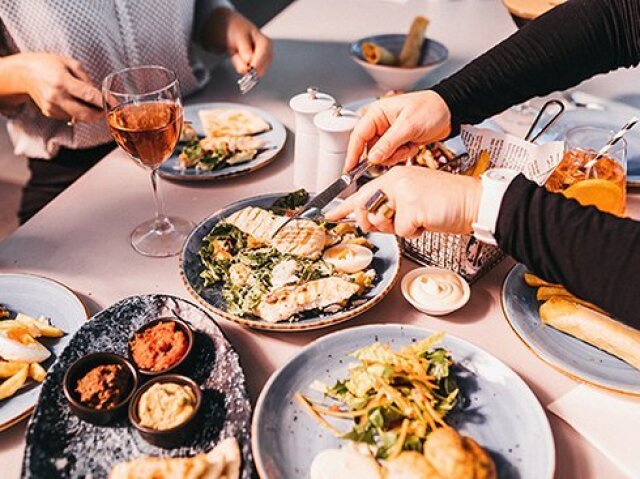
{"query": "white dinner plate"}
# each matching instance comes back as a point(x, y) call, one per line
point(274, 138)
point(37, 296)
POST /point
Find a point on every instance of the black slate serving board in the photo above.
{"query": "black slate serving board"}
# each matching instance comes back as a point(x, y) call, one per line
point(61, 445)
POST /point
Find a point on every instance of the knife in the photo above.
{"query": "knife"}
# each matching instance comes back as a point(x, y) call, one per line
point(313, 208)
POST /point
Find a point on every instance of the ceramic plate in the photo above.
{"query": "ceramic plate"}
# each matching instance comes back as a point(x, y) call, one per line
point(36, 296)
point(608, 119)
point(59, 445)
point(503, 415)
point(386, 263)
point(566, 353)
point(275, 139)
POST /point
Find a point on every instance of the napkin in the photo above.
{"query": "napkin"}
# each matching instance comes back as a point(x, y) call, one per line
point(609, 421)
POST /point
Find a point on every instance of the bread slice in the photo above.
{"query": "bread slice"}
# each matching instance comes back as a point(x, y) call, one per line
point(594, 328)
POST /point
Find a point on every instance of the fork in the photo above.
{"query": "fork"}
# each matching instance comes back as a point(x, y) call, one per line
point(248, 81)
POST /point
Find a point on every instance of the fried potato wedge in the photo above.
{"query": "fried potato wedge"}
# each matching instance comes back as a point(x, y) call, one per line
point(536, 282)
point(582, 302)
point(9, 387)
point(482, 165)
point(546, 292)
point(9, 368)
point(45, 328)
point(37, 372)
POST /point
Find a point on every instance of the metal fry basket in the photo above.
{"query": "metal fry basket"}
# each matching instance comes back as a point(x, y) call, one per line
point(462, 254)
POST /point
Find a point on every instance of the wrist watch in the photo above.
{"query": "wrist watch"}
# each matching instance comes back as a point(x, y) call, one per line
point(495, 182)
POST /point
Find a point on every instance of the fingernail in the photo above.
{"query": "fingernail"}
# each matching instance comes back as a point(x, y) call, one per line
point(375, 156)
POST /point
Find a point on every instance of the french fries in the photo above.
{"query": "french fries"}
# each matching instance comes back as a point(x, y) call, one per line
point(482, 165)
point(15, 382)
point(18, 332)
point(535, 282)
point(9, 368)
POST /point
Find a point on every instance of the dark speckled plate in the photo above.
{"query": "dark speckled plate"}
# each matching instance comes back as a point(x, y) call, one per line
point(501, 412)
point(386, 262)
point(59, 445)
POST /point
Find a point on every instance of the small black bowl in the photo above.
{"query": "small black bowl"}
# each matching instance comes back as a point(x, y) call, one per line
point(182, 326)
point(177, 435)
point(81, 367)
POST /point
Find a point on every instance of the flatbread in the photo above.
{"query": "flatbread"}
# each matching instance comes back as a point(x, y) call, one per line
point(232, 122)
point(222, 462)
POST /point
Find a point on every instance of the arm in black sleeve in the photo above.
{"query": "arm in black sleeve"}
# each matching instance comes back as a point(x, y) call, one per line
point(563, 47)
point(595, 255)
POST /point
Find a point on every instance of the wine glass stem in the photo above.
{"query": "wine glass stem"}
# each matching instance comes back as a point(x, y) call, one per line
point(157, 196)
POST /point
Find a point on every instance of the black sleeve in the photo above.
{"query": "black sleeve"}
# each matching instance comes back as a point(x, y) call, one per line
point(563, 47)
point(595, 255)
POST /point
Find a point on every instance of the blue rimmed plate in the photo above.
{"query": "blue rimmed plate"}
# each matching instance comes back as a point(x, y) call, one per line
point(37, 296)
point(275, 139)
point(562, 351)
point(503, 415)
point(386, 262)
point(608, 119)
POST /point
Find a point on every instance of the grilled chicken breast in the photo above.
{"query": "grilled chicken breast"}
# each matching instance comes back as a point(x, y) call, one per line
point(302, 238)
point(282, 303)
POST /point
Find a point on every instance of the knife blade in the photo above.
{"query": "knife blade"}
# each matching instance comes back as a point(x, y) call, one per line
point(313, 208)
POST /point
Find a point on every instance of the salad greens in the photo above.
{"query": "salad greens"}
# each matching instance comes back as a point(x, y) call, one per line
point(249, 269)
point(395, 399)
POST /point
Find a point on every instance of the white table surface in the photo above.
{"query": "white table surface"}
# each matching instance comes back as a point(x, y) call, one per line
point(82, 238)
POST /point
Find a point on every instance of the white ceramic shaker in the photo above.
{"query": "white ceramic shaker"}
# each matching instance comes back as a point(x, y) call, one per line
point(305, 163)
point(334, 128)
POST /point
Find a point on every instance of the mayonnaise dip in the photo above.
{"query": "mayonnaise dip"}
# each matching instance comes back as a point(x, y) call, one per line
point(437, 290)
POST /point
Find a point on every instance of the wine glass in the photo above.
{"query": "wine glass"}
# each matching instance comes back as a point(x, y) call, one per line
point(144, 114)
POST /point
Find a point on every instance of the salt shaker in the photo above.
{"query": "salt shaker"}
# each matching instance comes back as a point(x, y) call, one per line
point(334, 128)
point(305, 164)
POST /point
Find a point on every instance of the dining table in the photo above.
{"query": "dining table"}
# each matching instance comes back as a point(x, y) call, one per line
point(81, 238)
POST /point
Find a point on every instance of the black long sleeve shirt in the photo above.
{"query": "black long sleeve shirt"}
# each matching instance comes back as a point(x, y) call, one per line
point(595, 255)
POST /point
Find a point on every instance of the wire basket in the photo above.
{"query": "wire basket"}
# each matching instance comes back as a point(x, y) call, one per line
point(462, 254)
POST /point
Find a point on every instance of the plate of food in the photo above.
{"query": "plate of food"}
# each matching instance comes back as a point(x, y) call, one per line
point(309, 275)
point(148, 388)
point(394, 401)
point(37, 317)
point(440, 155)
point(222, 140)
point(570, 334)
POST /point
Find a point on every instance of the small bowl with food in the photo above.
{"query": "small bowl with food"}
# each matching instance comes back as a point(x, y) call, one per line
point(435, 291)
point(161, 346)
point(99, 386)
point(164, 410)
point(397, 61)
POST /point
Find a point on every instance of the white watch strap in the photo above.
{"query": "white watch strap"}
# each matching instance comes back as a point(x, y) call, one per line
point(494, 185)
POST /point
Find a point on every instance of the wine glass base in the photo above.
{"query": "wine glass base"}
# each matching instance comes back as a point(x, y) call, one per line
point(161, 237)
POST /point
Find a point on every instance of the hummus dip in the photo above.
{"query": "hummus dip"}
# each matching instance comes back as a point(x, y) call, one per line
point(166, 405)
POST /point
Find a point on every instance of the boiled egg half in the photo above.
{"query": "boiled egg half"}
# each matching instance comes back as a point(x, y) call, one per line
point(348, 258)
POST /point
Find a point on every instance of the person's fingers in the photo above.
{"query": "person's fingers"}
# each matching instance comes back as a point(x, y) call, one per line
point(262, 53)
point(244, 49)
point(84, 91)
point(76, 69)
point(381, 223)
point(344, 209)
point(78, 111)
point(397, 135)
point(404, 224)
point(239, 64)
point(402, 154)
point(55, 112)
point(364, 132)
point(362, 218)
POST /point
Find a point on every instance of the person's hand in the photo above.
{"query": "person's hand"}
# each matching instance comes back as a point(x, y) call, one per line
point(394, 127)
point(59, 86)
point(241, 39)
point(423, 199)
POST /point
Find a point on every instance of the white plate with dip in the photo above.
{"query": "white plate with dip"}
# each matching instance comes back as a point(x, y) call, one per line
point(435, 291)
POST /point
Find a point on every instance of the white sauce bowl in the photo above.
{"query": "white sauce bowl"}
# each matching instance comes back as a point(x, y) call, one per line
point(408, 278)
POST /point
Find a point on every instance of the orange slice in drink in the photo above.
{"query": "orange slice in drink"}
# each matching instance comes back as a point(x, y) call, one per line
point(603, 194)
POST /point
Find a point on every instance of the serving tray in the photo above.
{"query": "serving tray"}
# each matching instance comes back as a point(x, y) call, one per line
point(61, 445)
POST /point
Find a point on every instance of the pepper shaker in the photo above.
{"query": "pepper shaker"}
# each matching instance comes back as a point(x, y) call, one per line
point(305, 164)
point(334, 128)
